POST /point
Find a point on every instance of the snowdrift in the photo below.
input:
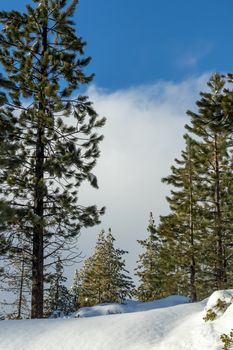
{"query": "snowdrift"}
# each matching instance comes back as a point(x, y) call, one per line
point(167, 324)
point(130, 306)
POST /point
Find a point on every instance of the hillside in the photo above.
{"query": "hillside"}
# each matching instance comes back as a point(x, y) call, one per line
point(167, 324)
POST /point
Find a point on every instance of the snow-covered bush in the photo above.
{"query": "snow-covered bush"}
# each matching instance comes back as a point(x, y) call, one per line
point(227, 340)
point(217, 304)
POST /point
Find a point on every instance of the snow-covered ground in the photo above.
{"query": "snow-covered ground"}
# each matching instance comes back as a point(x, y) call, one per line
point(167, 324)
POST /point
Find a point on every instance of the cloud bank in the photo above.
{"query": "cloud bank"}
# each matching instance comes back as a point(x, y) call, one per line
point(143, 135)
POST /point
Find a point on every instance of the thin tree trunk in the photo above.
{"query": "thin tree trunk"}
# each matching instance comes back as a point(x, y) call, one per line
point(193, 292)
point(38, 229)
point(57, 294)
point(21, 291)
point(218, 219)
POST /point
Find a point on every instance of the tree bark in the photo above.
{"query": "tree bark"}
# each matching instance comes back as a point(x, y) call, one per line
point(193, 292)
point(38, 229)
point(21, 291)
point(38, 233)
point(218, 219)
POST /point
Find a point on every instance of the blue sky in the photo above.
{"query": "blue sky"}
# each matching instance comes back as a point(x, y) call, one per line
point(134, 42)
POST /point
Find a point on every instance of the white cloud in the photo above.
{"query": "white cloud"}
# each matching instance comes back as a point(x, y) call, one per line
point(143, 135)
point(192, 57)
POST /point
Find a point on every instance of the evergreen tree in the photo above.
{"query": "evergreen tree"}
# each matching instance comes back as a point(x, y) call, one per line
point(8, 162)
point(215, 149)
point(181, 230)
point(103, 277)
point(8, 157)
point(58, 297)
point(148, 269)
point(197, 234)
point(75, 289)
point(43, 60)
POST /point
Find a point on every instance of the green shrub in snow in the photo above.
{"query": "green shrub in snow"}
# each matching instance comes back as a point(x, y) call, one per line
point(227, 340)
point(212, 313)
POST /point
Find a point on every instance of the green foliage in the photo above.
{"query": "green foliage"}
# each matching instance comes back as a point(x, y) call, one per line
point(215, 150)
point(103, 277)
point(49, 140)
point(197, 234)
point(227, 340)
point(58, 297)
point(221, 305)
point(148, 269)
point(210, 315)
point(180, 230)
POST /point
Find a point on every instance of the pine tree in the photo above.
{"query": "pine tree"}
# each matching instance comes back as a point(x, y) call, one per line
point(8, 158)
point(185, 219)
point(44, 60)
point(58, 297)
point(175, 280)
point(75, 289)
point(148, 269)
point(197, 234)
point(8, 162)
point(215, 148)
point(103, 277)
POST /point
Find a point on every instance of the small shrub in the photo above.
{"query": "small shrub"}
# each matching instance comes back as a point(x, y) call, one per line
point(227, 340)
point(210, 315)
point(221, 305)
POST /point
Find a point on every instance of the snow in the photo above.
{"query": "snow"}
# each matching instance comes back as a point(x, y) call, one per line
point(130, 306)
point(167, 324)
point(224, 295)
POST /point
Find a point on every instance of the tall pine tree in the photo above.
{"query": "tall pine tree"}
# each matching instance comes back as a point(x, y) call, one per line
point(197, 235)
point(181, 230)
point(44, 60)
point(215, 149)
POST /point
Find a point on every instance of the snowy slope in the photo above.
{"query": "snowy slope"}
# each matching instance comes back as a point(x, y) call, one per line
point(130, 306)
point(160, 327)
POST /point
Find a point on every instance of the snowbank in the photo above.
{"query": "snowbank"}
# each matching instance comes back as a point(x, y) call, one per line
point(159, 325)
point(226, 296)
point(130, 306)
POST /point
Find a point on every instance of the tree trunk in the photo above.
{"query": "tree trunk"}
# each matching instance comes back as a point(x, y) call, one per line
point(218, 220)
point(38, 233)
point(39, 194)
point(21, 291)
point(193, 292)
